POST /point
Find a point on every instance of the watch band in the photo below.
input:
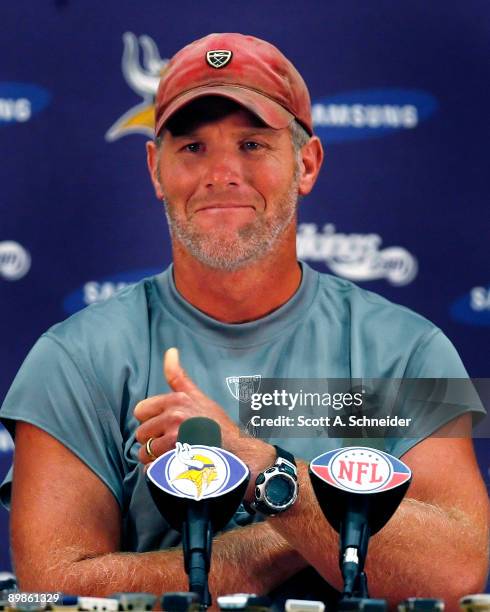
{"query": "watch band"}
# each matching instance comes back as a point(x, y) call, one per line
point(282, 452)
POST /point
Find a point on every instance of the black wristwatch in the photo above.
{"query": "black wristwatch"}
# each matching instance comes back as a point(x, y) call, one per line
point(276, 488)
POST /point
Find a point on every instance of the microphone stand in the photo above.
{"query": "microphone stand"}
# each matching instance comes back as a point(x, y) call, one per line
point(354, 540)
point(197, 537)
point(197, 520)
point(355, 511)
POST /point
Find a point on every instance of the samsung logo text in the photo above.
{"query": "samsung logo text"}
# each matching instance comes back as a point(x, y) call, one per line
point(370, 113)
point(20, 101)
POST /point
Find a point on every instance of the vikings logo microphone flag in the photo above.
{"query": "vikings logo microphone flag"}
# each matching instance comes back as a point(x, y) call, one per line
point(359, 469)
point(197, 471)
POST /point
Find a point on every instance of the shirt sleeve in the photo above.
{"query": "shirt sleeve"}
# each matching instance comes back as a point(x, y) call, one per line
point(52, 392)
point(436, 389)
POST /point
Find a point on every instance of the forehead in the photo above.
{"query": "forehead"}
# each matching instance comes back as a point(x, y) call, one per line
point(208, 110)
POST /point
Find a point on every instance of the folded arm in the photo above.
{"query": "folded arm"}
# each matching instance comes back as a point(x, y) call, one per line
point(66, 526)
point(435, 545)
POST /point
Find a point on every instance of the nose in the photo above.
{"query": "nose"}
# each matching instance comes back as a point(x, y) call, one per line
point(223, 170)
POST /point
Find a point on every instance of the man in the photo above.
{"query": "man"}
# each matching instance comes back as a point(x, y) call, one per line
point(234, 151)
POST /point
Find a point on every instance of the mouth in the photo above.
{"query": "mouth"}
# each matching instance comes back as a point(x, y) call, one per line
point(226, 207)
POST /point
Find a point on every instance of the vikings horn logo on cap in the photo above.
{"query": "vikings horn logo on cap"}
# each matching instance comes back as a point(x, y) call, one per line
point(197, 471)
point(218, 58)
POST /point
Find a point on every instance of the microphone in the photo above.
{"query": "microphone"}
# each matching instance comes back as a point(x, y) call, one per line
point(358, 489)
point(197, 534)
point(197, 487)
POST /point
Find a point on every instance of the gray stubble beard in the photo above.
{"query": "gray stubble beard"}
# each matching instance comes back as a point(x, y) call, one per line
point(253, 242)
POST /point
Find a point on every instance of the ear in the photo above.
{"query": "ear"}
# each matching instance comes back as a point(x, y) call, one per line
point(152, 159)
point(310, 164)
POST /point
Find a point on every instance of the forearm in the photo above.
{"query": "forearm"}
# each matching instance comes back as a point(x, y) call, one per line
point(424, 550)
point(241, 562)
point(260, 557)
point(428, 550)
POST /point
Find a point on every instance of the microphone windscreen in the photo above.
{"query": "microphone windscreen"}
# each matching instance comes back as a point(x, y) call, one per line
point(200, 430)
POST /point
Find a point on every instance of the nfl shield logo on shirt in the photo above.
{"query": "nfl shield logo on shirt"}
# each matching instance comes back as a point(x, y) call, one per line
point(243, 387)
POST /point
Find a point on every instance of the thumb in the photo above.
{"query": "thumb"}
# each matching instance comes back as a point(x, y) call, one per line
point(175, 375)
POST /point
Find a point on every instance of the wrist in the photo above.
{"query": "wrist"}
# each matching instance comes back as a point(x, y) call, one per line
point(257, 455)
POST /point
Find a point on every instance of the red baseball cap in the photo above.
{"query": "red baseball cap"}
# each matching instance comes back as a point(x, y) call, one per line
point(250, 71)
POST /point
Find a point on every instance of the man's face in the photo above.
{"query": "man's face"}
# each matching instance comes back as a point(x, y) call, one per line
point(230, 188)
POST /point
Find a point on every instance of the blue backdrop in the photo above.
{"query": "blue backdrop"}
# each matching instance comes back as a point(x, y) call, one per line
point(400, 100)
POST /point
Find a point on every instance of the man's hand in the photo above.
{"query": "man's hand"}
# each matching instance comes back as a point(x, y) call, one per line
point(162, 415)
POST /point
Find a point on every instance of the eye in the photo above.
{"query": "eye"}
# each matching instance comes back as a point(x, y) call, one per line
point(251, 145)
point(193, 147)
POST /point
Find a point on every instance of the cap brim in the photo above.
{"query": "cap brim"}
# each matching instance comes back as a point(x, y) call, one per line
point(272, 114)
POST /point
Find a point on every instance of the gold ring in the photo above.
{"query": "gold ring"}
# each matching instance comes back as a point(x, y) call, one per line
point(149, 452)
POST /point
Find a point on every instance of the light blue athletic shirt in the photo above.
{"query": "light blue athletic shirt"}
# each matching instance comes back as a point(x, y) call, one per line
point(83, 378)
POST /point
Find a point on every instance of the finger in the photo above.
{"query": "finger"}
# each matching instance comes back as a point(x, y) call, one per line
point(177, 378)
point(153, 428)
point(153, 406)
point(161, 424)
point(159, 446)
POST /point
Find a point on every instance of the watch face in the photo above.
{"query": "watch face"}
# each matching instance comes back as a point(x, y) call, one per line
point(279, 490)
